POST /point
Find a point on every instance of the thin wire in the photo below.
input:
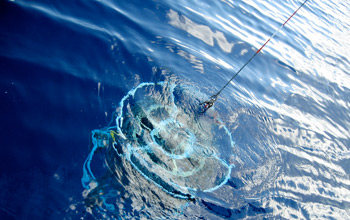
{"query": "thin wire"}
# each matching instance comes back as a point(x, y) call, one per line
point(209, 103)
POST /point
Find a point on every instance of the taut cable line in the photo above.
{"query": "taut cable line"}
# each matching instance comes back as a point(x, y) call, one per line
point(210, 102)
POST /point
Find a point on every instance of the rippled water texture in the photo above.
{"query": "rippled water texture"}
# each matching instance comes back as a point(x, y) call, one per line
point(276, 144)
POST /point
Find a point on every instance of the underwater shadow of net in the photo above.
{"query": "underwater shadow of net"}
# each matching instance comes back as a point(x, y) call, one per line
point(162, 150)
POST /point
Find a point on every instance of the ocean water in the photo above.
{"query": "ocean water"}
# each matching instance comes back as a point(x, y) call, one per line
point(99, 115)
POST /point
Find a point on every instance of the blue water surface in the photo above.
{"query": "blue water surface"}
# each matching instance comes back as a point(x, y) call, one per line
point(76, 145)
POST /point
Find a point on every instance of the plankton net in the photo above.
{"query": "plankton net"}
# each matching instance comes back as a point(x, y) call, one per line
point(161, 132)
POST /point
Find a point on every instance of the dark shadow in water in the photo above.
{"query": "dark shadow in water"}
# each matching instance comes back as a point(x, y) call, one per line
point(244, 211)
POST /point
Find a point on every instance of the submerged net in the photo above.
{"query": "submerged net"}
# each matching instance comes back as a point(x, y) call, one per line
point(161, 132)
